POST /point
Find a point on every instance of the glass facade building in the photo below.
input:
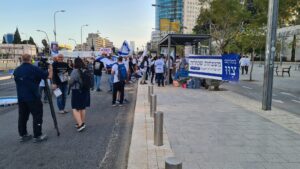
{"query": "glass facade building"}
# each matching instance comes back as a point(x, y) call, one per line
point(169, 9)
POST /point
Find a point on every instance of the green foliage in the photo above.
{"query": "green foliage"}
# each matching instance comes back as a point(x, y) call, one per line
point(31, 41)
point(17, 37)
point(3, 40)
point(240, 28)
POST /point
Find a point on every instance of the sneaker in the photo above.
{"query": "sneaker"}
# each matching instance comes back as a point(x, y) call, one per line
point(66, 111)
point(80, 128)
point(126, 101)
point(40, 138)
point(114, 105)
point(25, 138)
point(118, 102)
point(120, 105)
point(61, 112)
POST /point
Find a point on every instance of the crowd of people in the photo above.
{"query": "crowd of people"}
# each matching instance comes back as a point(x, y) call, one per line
point(79, 77)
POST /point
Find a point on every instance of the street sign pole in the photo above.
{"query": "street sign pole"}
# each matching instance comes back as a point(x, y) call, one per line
point(270, 54)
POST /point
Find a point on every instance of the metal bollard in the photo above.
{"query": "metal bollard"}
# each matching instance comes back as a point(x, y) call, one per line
point(150, 91)
point(173, 163)
point(158, 128)
point(153, 104)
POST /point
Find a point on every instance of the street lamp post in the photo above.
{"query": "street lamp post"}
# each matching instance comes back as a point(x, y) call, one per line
point(73, 41)
point(45, 34)
point(46, 37)
point(54, 30)
point(270, 54)
point(81, 35)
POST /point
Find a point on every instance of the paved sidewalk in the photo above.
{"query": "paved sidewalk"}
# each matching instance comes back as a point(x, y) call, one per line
point(218, 130)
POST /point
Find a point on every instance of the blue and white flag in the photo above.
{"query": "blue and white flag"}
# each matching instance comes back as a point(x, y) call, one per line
point(125, 49)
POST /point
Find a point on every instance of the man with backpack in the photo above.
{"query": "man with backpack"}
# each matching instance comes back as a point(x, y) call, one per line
point(98, 66)
point(119, 72)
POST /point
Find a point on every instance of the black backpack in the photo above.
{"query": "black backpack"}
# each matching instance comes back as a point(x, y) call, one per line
point(86, 77)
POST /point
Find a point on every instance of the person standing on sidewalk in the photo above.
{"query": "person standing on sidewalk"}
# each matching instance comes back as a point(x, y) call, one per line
point(243, 63)
point(159, 70)
point(119, 72)
point(144, 67)
point(80, 95)
point(152, 69)
point(98, 66)
point(27, 78)
point(60, 80)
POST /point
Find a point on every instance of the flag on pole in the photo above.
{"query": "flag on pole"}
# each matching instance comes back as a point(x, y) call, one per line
point(125, 49)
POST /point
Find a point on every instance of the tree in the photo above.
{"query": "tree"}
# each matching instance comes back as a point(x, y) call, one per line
point(46, 50)
point(31, 41)
point(3, 40)
point(17, 37)
point(224, 20)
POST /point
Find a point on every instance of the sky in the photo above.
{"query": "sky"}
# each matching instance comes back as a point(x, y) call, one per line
point(119, 20)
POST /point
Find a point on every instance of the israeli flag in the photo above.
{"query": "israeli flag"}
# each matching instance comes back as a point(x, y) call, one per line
point(125, 49)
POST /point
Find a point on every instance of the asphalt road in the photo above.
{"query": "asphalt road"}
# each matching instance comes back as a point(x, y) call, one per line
point(282, 98)
point(7, 88)
point(104, 144)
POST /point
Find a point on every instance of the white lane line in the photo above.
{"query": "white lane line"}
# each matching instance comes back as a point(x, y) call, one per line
point(278, 101)
point(246, 87)
point(2, 84)
point(297, 101)
point(288, 94)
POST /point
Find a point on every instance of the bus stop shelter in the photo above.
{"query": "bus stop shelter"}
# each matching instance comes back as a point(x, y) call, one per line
point(181, 40)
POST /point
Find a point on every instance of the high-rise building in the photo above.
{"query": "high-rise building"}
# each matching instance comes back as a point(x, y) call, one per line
point(95, 41)
point(191, 12)
point(174, 16)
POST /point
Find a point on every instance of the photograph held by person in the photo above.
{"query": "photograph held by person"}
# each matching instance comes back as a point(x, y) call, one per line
point(60, 80)
point(119, 73)
point(80, 94)
point(27, 78)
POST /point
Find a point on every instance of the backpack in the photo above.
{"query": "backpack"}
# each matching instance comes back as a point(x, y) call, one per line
point(86, 77)
point(122, 72)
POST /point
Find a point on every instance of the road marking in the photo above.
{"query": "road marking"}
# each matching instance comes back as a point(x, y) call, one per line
point(2, 84)
point(246, 87)
point(288, 94)
point(278, 101)
point(297, 101)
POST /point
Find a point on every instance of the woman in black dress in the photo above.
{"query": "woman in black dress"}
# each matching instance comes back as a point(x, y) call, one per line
point(80, 97)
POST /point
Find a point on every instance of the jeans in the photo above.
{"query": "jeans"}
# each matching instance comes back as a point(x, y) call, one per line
point(61, 100)
point(97, 80)
point(110, 82)
point(36, 110)
point(119, 86)
point(41, 93)
point(160, 79)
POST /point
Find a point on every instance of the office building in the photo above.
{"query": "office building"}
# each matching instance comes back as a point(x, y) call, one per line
point(174, 16)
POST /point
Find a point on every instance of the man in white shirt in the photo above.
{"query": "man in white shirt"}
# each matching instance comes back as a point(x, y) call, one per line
point(159, 70)
point(118, 84)
point(243, 63)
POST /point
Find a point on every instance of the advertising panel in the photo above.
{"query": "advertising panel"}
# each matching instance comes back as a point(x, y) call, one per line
point(224, 67)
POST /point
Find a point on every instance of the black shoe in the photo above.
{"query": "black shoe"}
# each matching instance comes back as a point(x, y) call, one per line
point(40, 138)
point(98, 90)
point(25, 138)
point(80, 128)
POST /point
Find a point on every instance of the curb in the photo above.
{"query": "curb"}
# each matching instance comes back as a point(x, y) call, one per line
point(142, 153)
